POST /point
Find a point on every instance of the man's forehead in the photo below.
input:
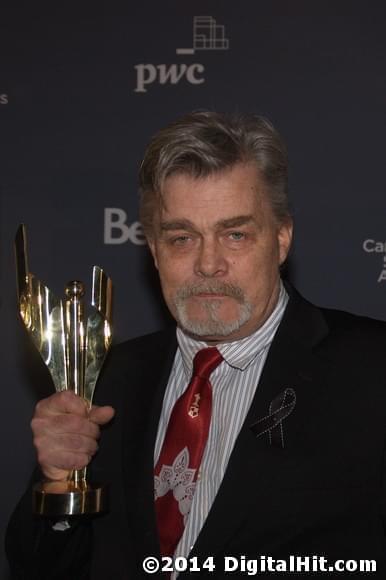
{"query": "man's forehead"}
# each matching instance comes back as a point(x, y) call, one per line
point(226, 196)
point(216, 206)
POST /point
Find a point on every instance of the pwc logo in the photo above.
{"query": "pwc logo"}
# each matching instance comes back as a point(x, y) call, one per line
point(207, 35)
point(374, 247)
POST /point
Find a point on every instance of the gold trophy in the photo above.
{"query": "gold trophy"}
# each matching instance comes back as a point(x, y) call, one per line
point(73, 348)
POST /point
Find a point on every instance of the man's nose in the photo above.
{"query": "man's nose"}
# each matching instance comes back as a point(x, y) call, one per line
point(210, 259)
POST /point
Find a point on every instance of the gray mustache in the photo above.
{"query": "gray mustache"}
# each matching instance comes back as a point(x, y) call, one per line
point(224, 288)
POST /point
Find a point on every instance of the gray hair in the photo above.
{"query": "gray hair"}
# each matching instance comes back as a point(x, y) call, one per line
point(204, 142)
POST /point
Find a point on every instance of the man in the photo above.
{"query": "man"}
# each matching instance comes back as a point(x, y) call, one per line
point(288, 456)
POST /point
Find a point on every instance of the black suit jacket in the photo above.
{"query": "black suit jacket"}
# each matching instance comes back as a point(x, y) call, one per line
point(321, 494)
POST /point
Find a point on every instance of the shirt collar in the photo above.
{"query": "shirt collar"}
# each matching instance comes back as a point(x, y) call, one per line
point(238, 354)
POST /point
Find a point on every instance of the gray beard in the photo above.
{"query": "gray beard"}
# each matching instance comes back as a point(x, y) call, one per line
point(212, 325)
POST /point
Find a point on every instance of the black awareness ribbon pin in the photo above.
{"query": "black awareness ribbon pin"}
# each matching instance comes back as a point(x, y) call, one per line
point(279, 409)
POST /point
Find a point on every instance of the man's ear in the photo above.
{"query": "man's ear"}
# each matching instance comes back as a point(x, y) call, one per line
point(153, 249)
point(284, 237)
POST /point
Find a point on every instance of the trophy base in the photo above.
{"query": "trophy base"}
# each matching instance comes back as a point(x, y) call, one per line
point(64, 498)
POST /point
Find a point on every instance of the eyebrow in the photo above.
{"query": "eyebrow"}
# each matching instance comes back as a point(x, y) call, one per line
point(185, 224)
point(176, 225)
point(237, 221)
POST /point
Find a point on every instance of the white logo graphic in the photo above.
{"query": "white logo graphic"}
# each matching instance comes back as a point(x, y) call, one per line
point(117, 231)
point(195, 406)
point(177, 478)
point(373, 247)
point(171, 74)
point(382, 275)
point(207, 35)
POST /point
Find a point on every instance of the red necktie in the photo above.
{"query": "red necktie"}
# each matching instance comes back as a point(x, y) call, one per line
point(182, 450)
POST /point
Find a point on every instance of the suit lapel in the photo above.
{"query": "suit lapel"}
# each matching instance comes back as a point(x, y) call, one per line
point(255, 464)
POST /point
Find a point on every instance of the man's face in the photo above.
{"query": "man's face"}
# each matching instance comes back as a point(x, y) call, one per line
point(218, 247)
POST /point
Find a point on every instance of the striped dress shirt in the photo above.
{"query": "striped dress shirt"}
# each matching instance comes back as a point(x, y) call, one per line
point(234, 383)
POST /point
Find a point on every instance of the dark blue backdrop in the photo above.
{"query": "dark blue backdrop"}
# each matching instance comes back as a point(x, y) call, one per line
point(82, 90)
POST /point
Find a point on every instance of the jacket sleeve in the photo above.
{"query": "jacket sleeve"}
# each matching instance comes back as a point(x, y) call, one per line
point(36, 551)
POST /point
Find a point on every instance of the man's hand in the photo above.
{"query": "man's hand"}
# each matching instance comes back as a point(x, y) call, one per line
point(66, 433)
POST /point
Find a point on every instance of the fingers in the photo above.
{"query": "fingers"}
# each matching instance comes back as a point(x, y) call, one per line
point(101, 415)
point(64, 423)
point(66, 433)
point(63, 402)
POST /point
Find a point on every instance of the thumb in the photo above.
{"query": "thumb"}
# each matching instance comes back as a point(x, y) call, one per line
point(101, 415)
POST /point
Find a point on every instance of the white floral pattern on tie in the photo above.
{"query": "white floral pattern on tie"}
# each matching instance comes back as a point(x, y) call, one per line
point(177, 478)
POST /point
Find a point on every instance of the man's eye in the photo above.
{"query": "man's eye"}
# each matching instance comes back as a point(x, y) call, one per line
point(180, 240)
point(237, 236)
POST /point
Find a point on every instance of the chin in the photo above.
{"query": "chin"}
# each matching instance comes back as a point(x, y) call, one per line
point(212, 325)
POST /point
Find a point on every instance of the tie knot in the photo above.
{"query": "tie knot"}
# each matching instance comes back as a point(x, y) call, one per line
point(205, 361)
